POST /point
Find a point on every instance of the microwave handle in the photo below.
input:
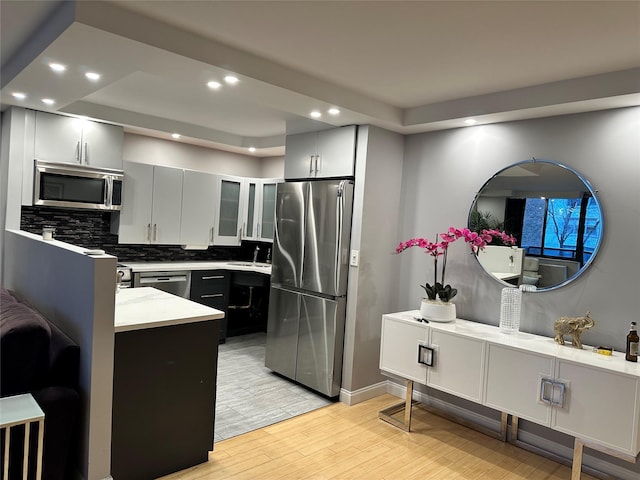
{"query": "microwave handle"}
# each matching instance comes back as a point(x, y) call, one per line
point(108, 192)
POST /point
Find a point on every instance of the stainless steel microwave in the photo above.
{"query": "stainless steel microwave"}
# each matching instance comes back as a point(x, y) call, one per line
point(77, 186)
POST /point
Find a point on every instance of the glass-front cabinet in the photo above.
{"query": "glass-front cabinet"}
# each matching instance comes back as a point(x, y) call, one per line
point(229, 210)
point(259, 215)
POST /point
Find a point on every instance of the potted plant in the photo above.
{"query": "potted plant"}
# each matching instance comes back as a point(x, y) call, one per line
point(438, 306)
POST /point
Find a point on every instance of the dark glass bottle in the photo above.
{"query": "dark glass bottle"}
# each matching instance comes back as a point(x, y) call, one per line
point(632, 344)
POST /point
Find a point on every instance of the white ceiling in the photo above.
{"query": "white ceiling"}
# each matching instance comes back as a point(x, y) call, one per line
point(406, 66)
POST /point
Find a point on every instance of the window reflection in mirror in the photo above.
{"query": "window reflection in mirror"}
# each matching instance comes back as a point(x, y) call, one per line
point(553, 213)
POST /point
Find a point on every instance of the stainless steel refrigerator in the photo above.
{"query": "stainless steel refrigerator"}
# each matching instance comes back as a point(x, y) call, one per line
point(307, 303)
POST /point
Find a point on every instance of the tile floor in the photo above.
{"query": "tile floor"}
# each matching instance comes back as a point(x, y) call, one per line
point(249, 395)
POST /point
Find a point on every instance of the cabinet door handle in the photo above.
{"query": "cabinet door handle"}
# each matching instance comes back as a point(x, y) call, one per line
point(426, 355)
point(311, 164)
point(211, 235)
point(149, 231)
point(86, 153)
point(212, 295)
point(558, 400)
point(552, 392)
point(78, 159)
point(155, 232)
point(546, 390)
point(213, 277)
point(316, 162)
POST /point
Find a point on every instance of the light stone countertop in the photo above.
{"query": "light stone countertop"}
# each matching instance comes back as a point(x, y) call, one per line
point(199, 265)
point(146, 307)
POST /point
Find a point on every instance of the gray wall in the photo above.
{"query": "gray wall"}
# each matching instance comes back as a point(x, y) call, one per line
point(371, 285)
point(443, 171)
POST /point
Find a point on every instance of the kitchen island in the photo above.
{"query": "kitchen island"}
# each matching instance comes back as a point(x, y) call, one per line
point(164, 387)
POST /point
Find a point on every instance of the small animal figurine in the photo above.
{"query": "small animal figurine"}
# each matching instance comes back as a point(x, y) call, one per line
point(573, 326)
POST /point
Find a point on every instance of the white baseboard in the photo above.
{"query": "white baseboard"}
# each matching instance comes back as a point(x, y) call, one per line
point(542, 443)
point(363, 394)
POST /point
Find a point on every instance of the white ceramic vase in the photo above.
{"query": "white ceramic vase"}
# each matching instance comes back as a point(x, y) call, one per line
point(437, 310)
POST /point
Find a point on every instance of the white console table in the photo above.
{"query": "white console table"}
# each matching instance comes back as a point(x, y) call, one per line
point(594, 398)
point(21, 410)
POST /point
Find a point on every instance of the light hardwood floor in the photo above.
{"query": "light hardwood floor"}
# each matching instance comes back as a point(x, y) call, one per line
point(342, 442)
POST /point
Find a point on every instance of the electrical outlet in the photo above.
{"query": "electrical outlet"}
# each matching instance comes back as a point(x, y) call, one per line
point(354, 260)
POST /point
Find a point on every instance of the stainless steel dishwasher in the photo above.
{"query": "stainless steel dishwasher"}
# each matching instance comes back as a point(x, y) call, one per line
point(175, 282)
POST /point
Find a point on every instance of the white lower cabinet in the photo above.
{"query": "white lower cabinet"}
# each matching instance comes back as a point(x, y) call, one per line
point(595, 398)
point(399, 349)
point(458, 365)
point(600, 405)
point(513, 382)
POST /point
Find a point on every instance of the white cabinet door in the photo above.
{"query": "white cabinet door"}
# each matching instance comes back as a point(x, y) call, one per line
point(300, 150)
point(58, 138)
point(229, 207)
point(167, 205)
point(399, 348)
point(323, 154)
point(266, 228)
point(459, 365)
point(251, 190)
point(102, 145)
point(336, 152)
point(151, 205)
point(137, 198)
point(198, 208)
point(600, 405)
point(513, 382)
point(74, 140)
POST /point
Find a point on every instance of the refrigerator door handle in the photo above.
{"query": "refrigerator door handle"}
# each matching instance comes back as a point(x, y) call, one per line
point(340, 217)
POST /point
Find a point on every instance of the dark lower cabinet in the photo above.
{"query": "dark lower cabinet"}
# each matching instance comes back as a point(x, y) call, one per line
point(163, 399)
point(211, 288)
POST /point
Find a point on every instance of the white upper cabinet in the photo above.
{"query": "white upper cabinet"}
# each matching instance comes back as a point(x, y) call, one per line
point(73, 140)
point(266, 228)
point(151, 205)
point(198, 208)
point(259, 209)
point(229, 210)
point(323, 154)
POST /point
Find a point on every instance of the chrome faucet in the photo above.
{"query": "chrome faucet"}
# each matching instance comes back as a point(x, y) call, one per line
point(255, 254)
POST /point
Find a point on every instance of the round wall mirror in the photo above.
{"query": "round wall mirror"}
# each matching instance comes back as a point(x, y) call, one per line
point(553, 213)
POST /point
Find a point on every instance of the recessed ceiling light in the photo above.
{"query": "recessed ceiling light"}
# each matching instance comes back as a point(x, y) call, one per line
point(175, 135)
point(214, 85)
point(470, 121)
point(48, 101)
point(334, 111)
point(19, 95)
point(231, 80)
point(93, 76)
point(252, 149)
point(315, 114)
point(57, 67)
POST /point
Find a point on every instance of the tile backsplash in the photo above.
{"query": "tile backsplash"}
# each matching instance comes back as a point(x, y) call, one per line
point(91, 229)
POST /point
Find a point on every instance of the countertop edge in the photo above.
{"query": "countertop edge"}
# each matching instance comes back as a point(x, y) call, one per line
point(166, 323)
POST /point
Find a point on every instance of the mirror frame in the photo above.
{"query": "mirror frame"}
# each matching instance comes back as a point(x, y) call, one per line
point(588, 186)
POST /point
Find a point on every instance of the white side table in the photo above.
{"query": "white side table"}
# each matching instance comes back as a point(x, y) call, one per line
point(21, 410)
